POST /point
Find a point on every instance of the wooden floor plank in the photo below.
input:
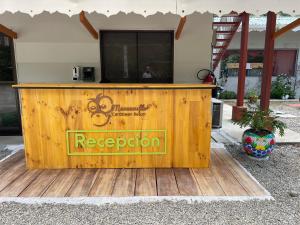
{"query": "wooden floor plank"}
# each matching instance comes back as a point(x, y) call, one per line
point(19, 184)
point(225, 178)
point(62, 183)
point(218, 137)
point(187, 185)
point(11, 161)
point(83, 183)
point(12, 173)
point(125, 183)
point(145, 183)
point(40, 184)
point(104, 182)
point(208, 185)
point(166, 182)
point(236, 169)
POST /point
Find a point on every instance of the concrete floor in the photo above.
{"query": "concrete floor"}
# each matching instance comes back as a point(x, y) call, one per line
point(11, 140)
point(235, 132)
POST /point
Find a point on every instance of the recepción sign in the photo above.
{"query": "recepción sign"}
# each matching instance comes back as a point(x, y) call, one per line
point(116, 142)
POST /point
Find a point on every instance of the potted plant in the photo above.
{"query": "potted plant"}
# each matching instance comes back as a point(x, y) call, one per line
point(258, 141)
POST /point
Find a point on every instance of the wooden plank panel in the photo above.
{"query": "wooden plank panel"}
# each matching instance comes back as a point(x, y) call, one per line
point(225, 178)
point(145, 183)
point(125, 183)
point(192, 128)
point(62, 183)
point(207, 183)
point(104, 183)
point(12, 173)
point(40, 184)
point(113, 85)
point(140, 121)
point(19, 184)
point(166, 182)
point(83, 183)
point(9, 162)
point(67, 110)
point(186, 182)
point(237, 170)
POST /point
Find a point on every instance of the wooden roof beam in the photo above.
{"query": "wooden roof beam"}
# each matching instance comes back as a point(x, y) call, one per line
point(88, 25)
point(287, 28)
point(8, 32)
point(180, 27)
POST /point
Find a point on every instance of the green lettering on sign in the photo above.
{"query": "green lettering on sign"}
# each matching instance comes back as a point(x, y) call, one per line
point(79, 139)
point(123, 142)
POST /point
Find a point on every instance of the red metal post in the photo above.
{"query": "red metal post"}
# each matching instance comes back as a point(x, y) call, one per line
point(243, 59)
point(239, 109)
point(268, 61)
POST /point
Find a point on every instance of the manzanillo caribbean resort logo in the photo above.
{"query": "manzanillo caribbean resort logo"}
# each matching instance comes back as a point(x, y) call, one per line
point(116, 142)
point(102, 109)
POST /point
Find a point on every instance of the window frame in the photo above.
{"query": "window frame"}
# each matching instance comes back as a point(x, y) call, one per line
point(102, 66)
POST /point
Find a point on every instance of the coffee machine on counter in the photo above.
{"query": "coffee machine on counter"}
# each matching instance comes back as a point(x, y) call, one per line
point(86, 74)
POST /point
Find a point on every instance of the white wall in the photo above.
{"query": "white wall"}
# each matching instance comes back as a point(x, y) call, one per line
point(290, 40)
point(49, 45)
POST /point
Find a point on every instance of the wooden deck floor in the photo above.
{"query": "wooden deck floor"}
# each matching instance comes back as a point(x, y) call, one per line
point(225, 177)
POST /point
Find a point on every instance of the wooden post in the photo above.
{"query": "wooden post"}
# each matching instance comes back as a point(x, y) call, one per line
point(268, 61)
point(8, 32)
point(239, 109)
point(287, 28)
point(88, 25)
point(180, 27)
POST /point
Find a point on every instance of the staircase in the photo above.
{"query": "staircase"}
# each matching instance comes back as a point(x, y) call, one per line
point(224, 29)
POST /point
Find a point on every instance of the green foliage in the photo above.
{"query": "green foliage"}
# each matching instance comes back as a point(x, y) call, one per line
point(260, 120)
point(252, 93)
point(281, 87)
point(233, 58)
point(227, 95)
point(252, 96)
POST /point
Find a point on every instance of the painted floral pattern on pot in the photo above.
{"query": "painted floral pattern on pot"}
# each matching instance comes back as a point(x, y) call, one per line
point(256, 145)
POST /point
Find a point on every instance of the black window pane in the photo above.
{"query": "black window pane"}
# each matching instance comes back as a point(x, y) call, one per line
point(9, 113)
point(119, 57)
point(155, 57)
point(137, 56)
point(6, 60)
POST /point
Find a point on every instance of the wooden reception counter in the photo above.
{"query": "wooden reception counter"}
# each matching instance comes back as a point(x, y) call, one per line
point(116, 125)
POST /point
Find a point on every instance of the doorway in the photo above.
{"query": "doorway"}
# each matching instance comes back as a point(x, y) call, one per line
point(10, 122)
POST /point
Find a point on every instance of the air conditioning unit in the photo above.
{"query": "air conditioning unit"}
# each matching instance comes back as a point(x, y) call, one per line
point(217, 113)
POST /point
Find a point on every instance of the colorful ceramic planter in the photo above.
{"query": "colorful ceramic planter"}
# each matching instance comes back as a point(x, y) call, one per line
point(258, 146)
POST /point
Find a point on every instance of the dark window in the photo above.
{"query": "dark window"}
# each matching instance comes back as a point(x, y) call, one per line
point(9, 106)
point(137, 56)
point(6, 60)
